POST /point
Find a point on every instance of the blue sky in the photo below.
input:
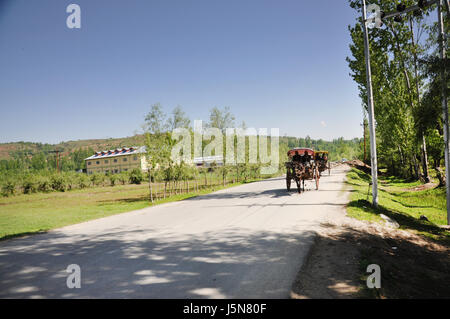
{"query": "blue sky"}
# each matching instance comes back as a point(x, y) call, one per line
point(278, 63)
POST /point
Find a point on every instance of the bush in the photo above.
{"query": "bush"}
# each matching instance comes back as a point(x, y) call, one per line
point(8, 187)
point(44, 184)
point(58, 183)
point(83, 181)
point(71, 180)
point(113, 179)
point(123, 178)
point(97, 179)
point(29, 184)
point(136, 176)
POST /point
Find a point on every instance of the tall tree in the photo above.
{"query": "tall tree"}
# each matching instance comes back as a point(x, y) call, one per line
point(221, 118)
point(393, 79)
point(155, 120)
point(179, 119)
point(156, 141)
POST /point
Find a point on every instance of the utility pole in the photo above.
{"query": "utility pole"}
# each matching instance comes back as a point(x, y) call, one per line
point(370, 107)
point(444, 103)
point(57, 159)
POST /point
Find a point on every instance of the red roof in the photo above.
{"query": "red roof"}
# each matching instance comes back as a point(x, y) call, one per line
point(301, 151)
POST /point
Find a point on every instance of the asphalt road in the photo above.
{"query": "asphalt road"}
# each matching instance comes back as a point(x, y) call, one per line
point(244, 242)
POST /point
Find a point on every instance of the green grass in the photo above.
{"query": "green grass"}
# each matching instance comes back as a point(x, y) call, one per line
point(398, 200)
point(34, 213)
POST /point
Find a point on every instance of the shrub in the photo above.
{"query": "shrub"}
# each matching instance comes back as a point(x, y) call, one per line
point(136, 176)
point(97, 179)
point(123, 178)
point(44, 184)
point(29, 184)
point(113, 179)
point(71, 180)
point(58, 182)
point(8, 187)
point(83, 181)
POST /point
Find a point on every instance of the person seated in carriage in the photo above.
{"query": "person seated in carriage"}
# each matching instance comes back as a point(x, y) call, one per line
point(306, 158)
point(297, 157)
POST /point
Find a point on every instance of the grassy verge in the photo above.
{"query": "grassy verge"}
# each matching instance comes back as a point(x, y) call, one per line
point(34, 213)
point(399, 200)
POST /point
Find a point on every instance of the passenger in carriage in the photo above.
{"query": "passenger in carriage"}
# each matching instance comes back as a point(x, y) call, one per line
point(297, 157)
point(306, 157)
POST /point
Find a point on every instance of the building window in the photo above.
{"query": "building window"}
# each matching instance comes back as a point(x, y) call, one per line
point(125, 159)
point(106, 161)
point(126, 169)
point(89, 163)
point(135, 158)
point(98, 162)
point(116, 171)
point(115, 160)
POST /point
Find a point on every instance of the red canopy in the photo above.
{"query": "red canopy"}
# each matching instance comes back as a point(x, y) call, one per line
point(301, 151)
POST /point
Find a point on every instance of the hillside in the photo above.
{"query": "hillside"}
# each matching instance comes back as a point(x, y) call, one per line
point(21, 154)
point(8, 149)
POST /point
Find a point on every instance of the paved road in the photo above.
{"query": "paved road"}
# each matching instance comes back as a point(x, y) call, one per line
point(245, 242)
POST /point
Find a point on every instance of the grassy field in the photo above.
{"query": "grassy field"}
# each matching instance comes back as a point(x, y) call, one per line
point(27, 214)
point(399, 200)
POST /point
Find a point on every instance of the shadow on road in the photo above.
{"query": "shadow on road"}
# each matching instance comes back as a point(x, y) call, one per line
point(126, 264)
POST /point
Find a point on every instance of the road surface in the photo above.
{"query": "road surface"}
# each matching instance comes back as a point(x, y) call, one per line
point(243, 242)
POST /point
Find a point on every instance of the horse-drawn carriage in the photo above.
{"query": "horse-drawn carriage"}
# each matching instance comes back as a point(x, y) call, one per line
point(300, 167)
point(321, 159)
point(305, 164)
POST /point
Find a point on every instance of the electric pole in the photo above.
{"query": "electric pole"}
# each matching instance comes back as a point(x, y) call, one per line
point(57, 159)
point(370, 107)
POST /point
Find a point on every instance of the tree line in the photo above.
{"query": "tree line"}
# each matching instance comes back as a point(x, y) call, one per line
point(406, 87)
point(158, 129)
point(33, 168)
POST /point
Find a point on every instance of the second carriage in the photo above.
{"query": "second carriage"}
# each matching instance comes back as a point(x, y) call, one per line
point(321, 159)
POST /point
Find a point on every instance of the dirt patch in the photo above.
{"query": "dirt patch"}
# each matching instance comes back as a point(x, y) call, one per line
point(360, 165)
point(330, 269)
point(421, 187)
point(411, 265)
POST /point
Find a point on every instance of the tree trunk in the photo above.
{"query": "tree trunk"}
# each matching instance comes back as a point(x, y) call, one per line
point(150, 185)
point(426, 175)
point(441, 177)
point(165, 189)
point(416, 168)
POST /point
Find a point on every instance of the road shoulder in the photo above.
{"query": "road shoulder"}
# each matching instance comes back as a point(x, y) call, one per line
point(412, 266)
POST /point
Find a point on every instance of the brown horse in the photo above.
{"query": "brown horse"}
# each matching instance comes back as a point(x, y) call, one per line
point(303, 171)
